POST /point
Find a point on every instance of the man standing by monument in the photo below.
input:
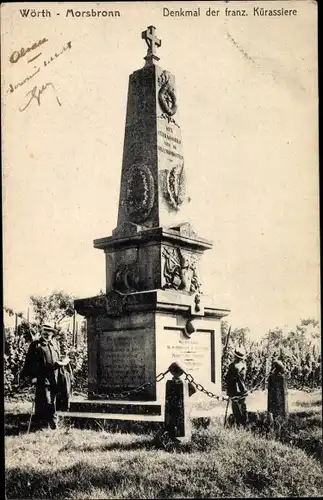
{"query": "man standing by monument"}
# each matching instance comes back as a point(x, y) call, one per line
point(236, 387)
point(41, 366)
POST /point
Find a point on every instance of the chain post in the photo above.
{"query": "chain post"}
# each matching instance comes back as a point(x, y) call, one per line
point(177, 410)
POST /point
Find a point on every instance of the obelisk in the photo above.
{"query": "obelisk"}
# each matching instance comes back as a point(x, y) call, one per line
point(153, 312)
point(152, 182)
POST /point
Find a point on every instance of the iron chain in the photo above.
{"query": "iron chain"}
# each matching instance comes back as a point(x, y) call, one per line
point(189, 377)
point(125, 394)
point(199, 387)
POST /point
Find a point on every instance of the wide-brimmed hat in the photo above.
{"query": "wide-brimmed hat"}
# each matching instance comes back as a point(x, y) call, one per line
point(48, 328)
point(239, 352)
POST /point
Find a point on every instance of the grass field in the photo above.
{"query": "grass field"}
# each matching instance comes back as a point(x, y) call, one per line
point(218, 462)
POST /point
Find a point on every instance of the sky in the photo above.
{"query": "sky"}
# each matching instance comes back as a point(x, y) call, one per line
point(247, 106)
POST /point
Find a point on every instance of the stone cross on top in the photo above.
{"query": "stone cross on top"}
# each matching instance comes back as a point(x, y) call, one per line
point(153, 42)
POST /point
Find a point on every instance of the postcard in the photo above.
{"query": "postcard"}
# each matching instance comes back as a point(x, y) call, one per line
point(161, 249)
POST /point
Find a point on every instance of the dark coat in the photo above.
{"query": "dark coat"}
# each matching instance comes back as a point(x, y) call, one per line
point(53, 386)
point(41, 360)
point(64, 388)
point(235, 379)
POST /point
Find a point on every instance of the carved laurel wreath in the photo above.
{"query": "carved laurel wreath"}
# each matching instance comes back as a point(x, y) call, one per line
point(140, 193)
point(175, 186)
point(126, 278)
point(166, 94)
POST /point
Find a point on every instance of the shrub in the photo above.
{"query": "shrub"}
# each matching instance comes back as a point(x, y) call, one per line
point(79, 359)
point(302, 358)
point(15, 350)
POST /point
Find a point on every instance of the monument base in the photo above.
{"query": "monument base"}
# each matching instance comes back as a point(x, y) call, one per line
point(134, 338)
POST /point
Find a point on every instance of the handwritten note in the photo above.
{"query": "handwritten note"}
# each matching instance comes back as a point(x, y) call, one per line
point(36, 93)
point(17, 54)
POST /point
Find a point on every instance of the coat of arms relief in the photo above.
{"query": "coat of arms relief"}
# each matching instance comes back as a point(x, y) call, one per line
point(180, 270)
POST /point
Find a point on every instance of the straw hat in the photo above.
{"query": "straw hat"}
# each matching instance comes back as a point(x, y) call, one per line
point(48, 328)
point(239, 352)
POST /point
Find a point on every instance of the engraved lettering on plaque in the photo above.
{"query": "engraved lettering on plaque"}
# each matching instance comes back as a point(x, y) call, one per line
point(123, 359)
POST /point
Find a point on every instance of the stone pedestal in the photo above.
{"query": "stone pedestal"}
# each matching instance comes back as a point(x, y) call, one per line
point(143, 335)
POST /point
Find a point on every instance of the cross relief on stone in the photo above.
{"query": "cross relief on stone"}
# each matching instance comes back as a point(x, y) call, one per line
point(153, 43)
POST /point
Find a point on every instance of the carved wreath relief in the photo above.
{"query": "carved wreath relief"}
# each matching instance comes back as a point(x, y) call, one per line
point(167, 98)
point(179, 270)
point(139, 193)
point(175, 186)
point(126, 278)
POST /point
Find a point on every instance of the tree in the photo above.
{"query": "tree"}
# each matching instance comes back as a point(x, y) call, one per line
point(240, 336)
point(27, 331)
point(52, 308)
point(224, 332)
point(310, 328)
point(236, 337)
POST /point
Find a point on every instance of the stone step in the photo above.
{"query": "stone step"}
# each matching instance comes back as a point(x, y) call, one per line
point(111, 416)
point(116, 407)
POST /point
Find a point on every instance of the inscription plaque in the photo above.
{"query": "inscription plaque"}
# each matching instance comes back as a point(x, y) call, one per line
point(169, 142)
point(122, 359)
point(195, 355)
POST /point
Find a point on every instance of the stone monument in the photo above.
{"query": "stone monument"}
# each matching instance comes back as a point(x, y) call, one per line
point(153, 311)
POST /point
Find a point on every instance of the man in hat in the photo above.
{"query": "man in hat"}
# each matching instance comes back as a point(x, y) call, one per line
point(41, 366)
point(236, 388)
